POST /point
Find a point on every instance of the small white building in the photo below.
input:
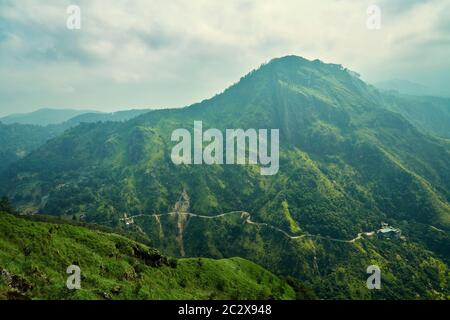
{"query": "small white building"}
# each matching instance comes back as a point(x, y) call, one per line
point(127, 220)
point(388, 232)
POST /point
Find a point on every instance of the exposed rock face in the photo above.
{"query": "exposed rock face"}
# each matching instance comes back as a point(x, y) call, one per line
point(183, 204)
point(151, 257)
point(19, 286)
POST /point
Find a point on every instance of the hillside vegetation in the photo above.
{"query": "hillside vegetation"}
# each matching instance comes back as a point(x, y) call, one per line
point(17, 141)
point(348, 162)
point(34, 257)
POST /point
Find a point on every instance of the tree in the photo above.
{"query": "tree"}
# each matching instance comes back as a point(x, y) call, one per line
point(6, 206)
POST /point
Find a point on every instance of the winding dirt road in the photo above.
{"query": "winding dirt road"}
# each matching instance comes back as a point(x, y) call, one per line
point(248, 220)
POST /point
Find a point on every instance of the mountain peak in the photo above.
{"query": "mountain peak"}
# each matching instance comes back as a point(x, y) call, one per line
point(293, 62)
point(328, 82)
point(289, 59)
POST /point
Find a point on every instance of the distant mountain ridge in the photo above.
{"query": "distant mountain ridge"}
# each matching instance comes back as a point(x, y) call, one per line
point(43, 117)
point(69, 117)
point(103, 116)
point(404, 86)
point(17, 140)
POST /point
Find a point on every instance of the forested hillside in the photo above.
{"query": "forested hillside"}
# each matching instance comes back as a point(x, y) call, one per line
point(347, 164)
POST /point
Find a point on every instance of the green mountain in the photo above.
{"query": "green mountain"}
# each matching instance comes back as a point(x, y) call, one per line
point(17, 141)
point(35, 256)
point(347, 164)
point(430, 114)
point(43, 117)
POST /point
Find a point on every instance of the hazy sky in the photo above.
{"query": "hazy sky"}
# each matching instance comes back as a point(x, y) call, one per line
point(144, 53)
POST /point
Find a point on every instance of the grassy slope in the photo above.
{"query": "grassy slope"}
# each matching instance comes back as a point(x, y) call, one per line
point(37, 254)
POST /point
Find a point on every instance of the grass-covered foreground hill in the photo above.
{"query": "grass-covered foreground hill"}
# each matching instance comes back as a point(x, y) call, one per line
point(34, 257)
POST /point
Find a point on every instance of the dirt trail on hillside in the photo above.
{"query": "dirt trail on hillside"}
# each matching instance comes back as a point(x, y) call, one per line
point(183, 219)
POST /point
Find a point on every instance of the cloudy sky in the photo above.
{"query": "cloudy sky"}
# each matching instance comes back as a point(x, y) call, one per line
point(145, 53)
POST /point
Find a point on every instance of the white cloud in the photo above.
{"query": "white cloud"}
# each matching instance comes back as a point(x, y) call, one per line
point(152, 53)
